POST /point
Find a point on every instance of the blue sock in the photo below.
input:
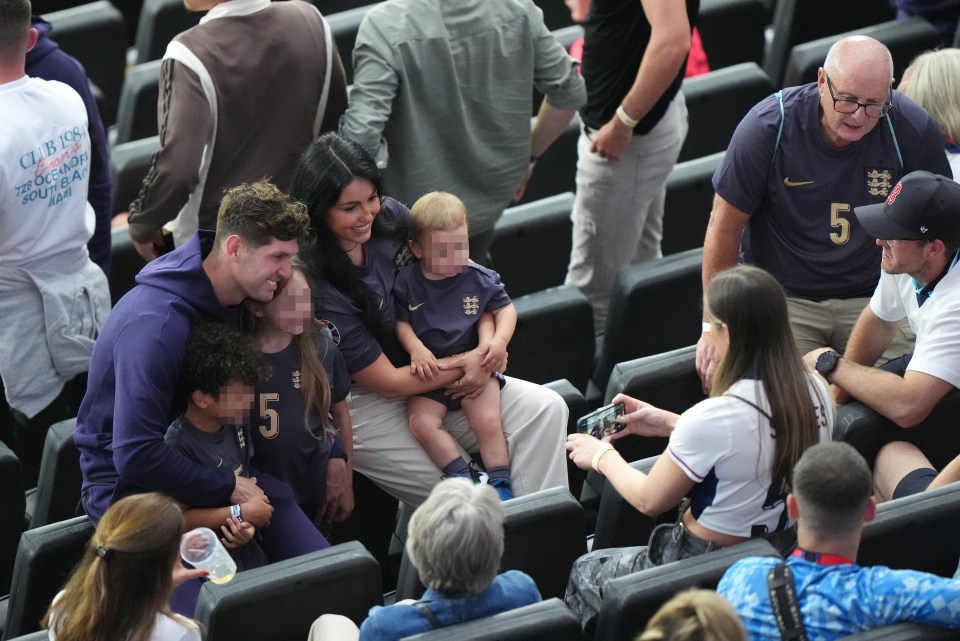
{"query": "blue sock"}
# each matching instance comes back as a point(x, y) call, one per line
point(457, 467)
point(500, 472)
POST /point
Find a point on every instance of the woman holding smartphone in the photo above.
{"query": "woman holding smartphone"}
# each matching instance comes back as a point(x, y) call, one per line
point(732, 454)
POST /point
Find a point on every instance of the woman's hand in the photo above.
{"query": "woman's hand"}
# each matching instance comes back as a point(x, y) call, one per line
point(583, 448)
point(182, 574)
point(474, 379)
point(237, 533)
point(643, 419)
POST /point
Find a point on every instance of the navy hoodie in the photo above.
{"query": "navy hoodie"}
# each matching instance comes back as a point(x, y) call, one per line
point(49, 62)
point(132, 393)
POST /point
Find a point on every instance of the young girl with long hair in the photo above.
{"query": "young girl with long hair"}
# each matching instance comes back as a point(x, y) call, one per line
point(732, 453)
point(121, 589)
point(303, 434)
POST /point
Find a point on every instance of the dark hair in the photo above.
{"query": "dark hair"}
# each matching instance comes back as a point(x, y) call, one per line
point(832, 484)
point(259, 212)
point(751, 303)
point(14, 27)
point(217, 354)
point(325, 169)
point(124, 578)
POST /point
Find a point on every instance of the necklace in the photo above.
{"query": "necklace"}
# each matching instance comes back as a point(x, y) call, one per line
point(355, 245)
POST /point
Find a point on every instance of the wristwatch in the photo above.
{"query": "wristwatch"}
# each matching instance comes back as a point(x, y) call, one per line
point(827, 363)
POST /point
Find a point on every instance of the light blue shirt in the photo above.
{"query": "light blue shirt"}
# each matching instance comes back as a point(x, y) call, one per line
point(840, 600)
point(512, 589)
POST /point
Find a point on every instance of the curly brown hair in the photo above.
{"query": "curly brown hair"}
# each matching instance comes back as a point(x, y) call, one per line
point(259, 212)
point(218, 354)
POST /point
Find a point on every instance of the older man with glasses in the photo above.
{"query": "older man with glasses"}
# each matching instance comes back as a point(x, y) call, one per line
point(798, 164)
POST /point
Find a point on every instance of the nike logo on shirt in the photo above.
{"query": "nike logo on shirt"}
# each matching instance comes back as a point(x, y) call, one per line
point(414, 308)
point(796, 183)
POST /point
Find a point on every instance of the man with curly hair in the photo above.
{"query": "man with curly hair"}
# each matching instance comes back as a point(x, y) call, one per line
point(137, 362)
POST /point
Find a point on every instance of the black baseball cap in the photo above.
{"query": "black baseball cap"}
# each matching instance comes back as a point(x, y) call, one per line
point(922, 205)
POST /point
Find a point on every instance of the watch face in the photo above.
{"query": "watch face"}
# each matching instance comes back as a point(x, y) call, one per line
point(827, 362)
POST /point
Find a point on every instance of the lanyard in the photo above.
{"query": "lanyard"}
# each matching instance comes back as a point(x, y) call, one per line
point(822, 559)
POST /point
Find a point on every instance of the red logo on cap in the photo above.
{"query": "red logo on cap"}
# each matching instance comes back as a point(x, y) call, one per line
point(894, 193)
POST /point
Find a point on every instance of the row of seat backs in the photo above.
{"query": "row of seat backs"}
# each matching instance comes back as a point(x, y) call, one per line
point(56, 497)
point(544, 533)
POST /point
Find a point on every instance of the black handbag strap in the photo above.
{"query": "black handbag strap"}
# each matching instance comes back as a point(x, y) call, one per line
point(783, 600)
point(429, 615)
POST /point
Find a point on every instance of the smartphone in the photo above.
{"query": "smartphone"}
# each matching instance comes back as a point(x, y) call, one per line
point(602, 422)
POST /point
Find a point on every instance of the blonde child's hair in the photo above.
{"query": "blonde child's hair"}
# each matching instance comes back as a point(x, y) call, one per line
point(436, 211)
point(695, 615)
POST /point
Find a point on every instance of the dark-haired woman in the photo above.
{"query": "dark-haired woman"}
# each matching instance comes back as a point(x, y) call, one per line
point(733, 454)
point(359, 243)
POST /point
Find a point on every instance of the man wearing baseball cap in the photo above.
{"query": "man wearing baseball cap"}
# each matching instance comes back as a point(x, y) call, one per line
point(918, 228)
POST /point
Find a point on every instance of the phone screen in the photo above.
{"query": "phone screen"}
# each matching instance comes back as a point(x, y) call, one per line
point(602, 422)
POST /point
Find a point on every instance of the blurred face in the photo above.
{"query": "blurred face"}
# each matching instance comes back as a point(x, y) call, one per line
point(292, 308)
point(904, 256)
point(234, 403)
point(864, 84)
point(260, 269)
point(443, 253)
point(351, 217)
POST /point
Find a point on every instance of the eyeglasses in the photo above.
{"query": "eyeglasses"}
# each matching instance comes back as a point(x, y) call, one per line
point(847, 106)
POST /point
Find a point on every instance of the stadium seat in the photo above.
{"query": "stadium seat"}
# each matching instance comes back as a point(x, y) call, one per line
point(344, 26)
point(717, 102)
point(96, 35)
point(129, 163)
point(556, 171)
point(281, 600)
point(137, 113)
point(619, 524)
point(906, 39)
point(655, 306)
point(57, 495)
point(868, 431)
point(548, 620)
point(904, 632)
point(688, 203)
point(45, 558)
point(732, 31)
point(11, 513)
point(543, 535)
point(554, 337)
point(917, 532)
point(799, 21)
point(531, 244)
point(159, 22)
point(630, 601)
